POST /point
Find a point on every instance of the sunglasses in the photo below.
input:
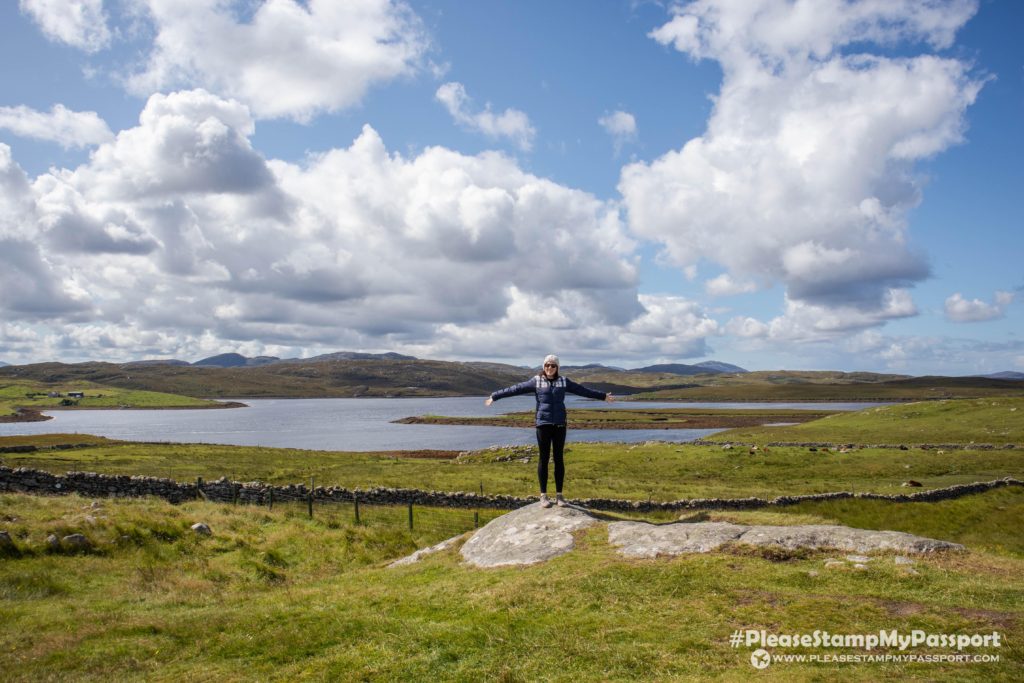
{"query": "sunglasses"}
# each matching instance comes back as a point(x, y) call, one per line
point(550, 365)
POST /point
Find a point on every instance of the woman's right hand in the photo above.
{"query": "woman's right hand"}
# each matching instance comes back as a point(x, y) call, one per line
point(489, 401)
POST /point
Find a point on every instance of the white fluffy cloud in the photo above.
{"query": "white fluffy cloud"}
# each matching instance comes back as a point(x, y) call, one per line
point(621, 125)
point(668, 326)
point(807, 322)
point(32, 285)
point(289, 58)
point(79, 23)
point(61, 125)
point(961, 310)
point(804, 175)
point(726, 285)
point(511, 123)
point(177, 238)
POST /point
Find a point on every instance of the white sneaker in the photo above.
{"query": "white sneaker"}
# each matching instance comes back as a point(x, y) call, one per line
point(545, 502)
point(559, 501)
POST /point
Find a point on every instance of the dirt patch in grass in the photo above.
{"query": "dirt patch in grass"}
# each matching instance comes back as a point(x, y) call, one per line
point(425, 454)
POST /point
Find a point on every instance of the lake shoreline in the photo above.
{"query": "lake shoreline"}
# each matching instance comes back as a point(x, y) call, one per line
point(664, 420)
point(38, 415)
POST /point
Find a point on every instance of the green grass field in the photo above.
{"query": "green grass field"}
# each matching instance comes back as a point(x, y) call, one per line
point(274, 595)
point(35, 396)
point(658, 471)
point(997, 421)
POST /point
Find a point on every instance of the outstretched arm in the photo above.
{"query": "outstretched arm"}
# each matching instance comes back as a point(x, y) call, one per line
point(586, 392)
point(527, 387)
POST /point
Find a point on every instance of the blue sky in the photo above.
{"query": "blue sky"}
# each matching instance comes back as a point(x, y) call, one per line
point(816, 184)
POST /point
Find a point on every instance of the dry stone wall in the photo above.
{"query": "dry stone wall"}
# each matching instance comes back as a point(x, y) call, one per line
point(26, 480)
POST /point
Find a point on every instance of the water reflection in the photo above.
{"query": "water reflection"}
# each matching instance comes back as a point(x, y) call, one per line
point(354, 424)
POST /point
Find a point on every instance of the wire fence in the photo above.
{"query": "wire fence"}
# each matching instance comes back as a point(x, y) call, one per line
point(427, 524)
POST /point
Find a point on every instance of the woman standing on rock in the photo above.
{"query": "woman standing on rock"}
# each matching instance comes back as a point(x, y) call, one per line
point(550, 388)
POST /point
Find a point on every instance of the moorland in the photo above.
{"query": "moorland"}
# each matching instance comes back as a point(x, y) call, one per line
point(273, 594)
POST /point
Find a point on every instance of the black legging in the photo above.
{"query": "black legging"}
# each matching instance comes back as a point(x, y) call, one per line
point(547, 436)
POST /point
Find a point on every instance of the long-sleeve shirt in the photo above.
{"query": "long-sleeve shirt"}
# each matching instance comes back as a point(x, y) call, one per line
point(550, 396)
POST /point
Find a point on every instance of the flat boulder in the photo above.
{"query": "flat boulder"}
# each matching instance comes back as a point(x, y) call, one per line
point(525, 536)
point(842, 538)
point(423, 552)
point(641, 539)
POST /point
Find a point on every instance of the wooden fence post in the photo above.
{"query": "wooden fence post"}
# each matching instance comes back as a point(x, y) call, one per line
point(355, 499)
point(410, 516)
point(312, 485)
point(271, 497)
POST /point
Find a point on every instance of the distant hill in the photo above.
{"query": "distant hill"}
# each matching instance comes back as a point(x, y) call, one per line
point(159, 361)
point(707, 367)
point(3, 364)
point(379, 376)
point(235, 360)
point(592, 366)
point(1007, 374)
point(718, 366)
point(308, 379)
point(352, 355)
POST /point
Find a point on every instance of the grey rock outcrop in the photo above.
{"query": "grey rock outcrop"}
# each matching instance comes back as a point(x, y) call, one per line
point(640, 539)
point(423, 552)
point(534, 534)
point(202, 529)
point(76, 542)
point(525, 536)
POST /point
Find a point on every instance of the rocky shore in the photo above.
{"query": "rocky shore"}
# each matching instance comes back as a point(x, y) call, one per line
point(25, 415)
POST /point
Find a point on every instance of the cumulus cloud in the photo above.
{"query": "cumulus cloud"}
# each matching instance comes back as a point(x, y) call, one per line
point(804, 175)
point(511, 123)
point(176, 237)
point(726, 285)
point(79, 23)
point(32, 286)
point(289, 59)
point(186, 142)
point(61, 125)
point(668, 326)
point(807, 322)
point(621, 125)
point(961, 310)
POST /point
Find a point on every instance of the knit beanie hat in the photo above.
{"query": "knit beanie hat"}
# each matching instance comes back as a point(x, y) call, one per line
point(552, 358)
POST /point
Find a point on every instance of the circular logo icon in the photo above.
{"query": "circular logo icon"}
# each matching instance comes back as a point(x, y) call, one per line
point(760, 659)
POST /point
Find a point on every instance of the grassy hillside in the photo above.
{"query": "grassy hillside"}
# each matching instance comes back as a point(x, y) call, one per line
point(786, 388)
point(272, 595)
point(291, 380)
point(388, 377)
point(992, 420)
point(34, 395)
point(657, 471)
